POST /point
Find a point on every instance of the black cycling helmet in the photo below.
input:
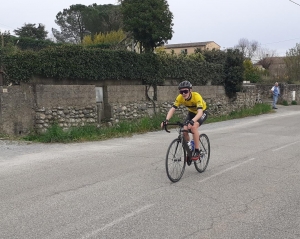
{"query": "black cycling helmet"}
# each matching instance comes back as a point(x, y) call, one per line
point(185, 84)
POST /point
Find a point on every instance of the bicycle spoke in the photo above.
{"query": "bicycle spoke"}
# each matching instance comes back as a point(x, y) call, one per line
point(202, 163)
point(175, 163)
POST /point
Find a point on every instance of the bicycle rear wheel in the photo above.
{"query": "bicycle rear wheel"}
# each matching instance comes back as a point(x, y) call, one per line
point(175, 161)
point(201, 164)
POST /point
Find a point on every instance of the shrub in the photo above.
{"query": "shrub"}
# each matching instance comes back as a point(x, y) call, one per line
point(284, 102)
point(96, 63)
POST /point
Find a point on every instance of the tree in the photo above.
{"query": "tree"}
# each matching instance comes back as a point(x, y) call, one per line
point(80, 20)
point(265, 57)
point(114, 39)
point(149, 21)
point(251, 73)
point(71, 24)
point(233, 71)
point(5, 38)
point(103, 18)
point(292, 62)
point(213, 56)
point(248, 48)
point(31, 31)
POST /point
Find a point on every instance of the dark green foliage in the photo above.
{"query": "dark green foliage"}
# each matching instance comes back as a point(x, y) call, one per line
point(78, 62)
point(31, 31)
point(88, 63)
point(149, 21)
point(294, 102)
point(285, 103)
point(80, 20)
point(184, 67)
point(20, 67)
point(6, 38)
point(102, 18)
point(13, 44)
point(213, 56)
point(71, 24)
point(99, 46)
point(26, 43)
point(233, 71)
point(227, 68)
point(251, 73)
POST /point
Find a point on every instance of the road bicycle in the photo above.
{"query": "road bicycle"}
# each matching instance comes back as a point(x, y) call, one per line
point(179, 153)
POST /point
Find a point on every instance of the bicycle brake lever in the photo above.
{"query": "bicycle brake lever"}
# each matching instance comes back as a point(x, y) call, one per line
point(167, 130)
point(165, 126)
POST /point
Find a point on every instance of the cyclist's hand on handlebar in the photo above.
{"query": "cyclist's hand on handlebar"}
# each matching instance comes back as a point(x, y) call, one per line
point(164, 123)
point(190, 123)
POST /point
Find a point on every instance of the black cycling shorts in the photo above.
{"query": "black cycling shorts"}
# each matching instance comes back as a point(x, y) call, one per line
point(191, 115)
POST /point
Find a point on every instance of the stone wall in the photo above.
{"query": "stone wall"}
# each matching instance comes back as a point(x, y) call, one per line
point(28, 107)
point(288, 92)
point(24, 108)
point(67, 105)
point(16, 109)
point(130, 102)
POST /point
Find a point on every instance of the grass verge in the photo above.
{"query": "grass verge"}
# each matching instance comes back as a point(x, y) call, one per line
point(258, 109)
point(127, 128)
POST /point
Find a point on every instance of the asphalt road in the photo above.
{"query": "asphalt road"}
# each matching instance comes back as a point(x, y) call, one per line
point(119, 188)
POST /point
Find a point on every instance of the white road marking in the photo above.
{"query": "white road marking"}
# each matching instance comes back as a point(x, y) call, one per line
point(226, 170)
point(285, 146)
point(140, 210)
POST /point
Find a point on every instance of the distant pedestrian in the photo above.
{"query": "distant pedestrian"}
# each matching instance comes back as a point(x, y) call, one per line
point(276, 92)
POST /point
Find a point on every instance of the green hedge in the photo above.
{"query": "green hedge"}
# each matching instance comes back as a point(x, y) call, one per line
point(190, 68)
point(79, 62)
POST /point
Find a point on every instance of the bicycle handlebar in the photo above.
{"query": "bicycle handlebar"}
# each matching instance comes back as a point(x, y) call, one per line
point(180, 124)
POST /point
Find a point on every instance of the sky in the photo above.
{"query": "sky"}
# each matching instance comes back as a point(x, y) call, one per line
point(274, 24)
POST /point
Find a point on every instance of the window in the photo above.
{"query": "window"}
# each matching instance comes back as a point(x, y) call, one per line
point(183, 51)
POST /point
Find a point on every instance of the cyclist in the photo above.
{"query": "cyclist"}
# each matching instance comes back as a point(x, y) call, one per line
point(197, 113)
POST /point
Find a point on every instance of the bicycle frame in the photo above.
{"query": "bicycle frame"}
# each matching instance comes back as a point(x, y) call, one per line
point(181, 137)
point(179, 149)
point(184, 142)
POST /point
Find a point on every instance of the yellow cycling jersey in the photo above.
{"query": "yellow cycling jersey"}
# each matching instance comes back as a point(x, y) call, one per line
point(193, 104)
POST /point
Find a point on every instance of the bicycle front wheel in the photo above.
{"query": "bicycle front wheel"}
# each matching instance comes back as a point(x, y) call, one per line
point(175, 161)
point(201, 164)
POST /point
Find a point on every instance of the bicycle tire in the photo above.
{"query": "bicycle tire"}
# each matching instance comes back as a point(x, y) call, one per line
point(202, 163)
point(175, 161)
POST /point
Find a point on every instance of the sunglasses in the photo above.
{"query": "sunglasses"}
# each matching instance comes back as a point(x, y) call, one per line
point(183, 91)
